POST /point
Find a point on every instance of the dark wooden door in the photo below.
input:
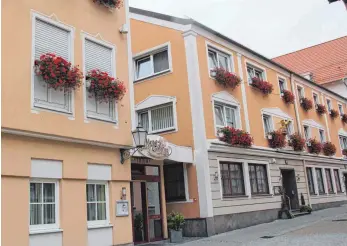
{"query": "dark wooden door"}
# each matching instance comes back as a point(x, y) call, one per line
point(290, 187)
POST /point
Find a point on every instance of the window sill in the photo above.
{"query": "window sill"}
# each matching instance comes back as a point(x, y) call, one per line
point(261, 195)
point(114, 122)
point(226, 198)
point(44, 231)
point(37, 109)
point(178, 202)
point(167, 72)
point(91, 227)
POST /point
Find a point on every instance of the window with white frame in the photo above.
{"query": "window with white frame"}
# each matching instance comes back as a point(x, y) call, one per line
point(97, 203)
point(267, 121)
point(301, 92)
point(50, 38)
point(340, 109)
point(289, 128)
point(343, 142)
point(258, 179)
point(225, 115)
point(152, 64)
point(307, 132)
point(253, 71)
point(99, 56)
point(329, 105)
point(218, 59)
point(43, 205)
point(282, 84)
point(315, 99)
point(321, 135)
point(158, 119)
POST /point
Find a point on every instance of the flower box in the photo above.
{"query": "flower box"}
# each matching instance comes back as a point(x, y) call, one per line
point(103, 87)
point(313, 146)
point(265, 87)
point(277, 139)
point(297, 142)
point(306, 104)
point(225, 78)
point(329, 149)
point(334, 113)
point(235, 137)
point(111, 4)
point(321, 109)
point(58, 73)
point(344, 118)
point(288, 97)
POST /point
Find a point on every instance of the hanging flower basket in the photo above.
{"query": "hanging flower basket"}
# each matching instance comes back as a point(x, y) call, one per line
point(329, 149)
point(111, 4)
point(306, 104)
point(297, 142)
point(265, 87)
point(344, 118)
point(321, 109)
point(288, 97)
point(58, 73)
point(226, 78)
point(313, 146)
point(235, 137)
point(334, 113)
point(344, 152)
point(103, 87)
point(276, 139)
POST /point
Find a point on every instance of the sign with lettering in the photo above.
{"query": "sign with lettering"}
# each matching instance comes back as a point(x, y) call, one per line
point(156, 147)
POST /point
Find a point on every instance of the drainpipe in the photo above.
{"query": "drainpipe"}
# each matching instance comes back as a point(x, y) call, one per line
point(295, 104)
point(307, 188)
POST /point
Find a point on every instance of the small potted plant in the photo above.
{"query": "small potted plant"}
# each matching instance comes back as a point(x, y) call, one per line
point(344, 118)
point(138, 226)
point(313, 146)
point(329, 149)
point(175, 222)
point(265, 87)
point(333, 113)
point(111, 4)
point(288, 97)
point(321, 109)
point(277, 139)
point(225, 78)
point(235, 137)
point(297, 142)
point(306, 104)
point(306, 208)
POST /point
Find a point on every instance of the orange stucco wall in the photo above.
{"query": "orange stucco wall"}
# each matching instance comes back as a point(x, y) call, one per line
point(83, 16)
point(72, 188)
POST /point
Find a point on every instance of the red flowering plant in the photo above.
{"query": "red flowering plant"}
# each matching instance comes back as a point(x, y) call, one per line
point(313, 146)
point(344, 118)
point(344, 152)
point(306, 104)
point(297, 142)
point(329, 149)
point(235, 137)
point(321, 109)
point(112, 4)
point(288, 97)
point(226, 78)
point(334, 113)
point(103, 87)
point(58, 73)
point(265, 87)
point(277, 139)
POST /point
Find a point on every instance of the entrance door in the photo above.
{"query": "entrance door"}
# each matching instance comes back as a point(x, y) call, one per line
point(139, 214)
point(154, 211)
point(290, 188)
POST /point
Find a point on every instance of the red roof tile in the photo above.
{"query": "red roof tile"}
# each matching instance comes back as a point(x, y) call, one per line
point(327, 61)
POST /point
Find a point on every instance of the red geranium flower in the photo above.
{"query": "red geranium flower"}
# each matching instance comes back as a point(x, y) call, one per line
point(110, 3)
point(226, 78)
point(265, 87)
point(321, 109)
point(288, 97)
point(306, 104)
point(235, 137)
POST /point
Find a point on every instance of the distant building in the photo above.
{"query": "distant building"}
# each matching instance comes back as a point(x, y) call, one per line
point(325, 64)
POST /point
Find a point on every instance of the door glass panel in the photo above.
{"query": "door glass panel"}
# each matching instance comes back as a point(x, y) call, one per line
point(152, 171)
point(138, 212)
point(154, 213)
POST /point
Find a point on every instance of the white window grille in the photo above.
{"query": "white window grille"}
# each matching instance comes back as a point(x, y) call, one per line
point(157, 119)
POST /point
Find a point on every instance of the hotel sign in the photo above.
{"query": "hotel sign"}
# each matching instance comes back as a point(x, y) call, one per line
point(156, 147)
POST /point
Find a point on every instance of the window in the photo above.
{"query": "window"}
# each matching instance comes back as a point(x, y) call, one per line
point(343, 142)
point(99, 56)
point(307, 132)
point(217, 59)
point(322, 136)
point(310, 180)
point(267, 124)
point(315, 99)
point(254, 72)
point(43, 205)
point(97, 203)
point(232, 179)
point(225, 115)
point(337, 180)
point(157, 119)
point(282, 85)
point(258, 179)
point(329, 181)
point(301, 93)
point(329, 105)
point(49, 38)
point(340, 109)
point(175, 187)
point(152, 64)
point(290, 128)
point(320, 181)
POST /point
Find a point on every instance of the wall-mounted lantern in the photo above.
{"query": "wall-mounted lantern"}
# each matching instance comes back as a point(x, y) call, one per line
point(140, 137)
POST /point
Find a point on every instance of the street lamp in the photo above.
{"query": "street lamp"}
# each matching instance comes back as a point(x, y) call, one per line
point(140, 137)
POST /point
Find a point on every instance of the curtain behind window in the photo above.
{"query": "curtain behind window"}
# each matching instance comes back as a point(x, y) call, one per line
point(161, 61)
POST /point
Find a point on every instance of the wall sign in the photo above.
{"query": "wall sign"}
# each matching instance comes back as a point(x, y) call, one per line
point(122, 208)
point(156, 147)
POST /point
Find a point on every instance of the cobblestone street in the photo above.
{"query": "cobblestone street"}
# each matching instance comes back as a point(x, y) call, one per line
point(324, 227)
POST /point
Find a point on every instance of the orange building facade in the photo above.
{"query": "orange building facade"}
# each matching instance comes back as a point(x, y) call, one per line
point(177, 96)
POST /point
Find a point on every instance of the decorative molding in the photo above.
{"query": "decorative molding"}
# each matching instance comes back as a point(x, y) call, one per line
point(342, 132)
point(312, 123)
point(154, 100)
point(225, 97)
point(276, 112)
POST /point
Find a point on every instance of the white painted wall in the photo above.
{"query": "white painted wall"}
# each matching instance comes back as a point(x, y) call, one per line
point(337, 87)
point(44, 239)
point(99, 237)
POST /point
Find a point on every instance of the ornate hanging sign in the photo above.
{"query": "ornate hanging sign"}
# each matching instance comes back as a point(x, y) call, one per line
point(156, 147)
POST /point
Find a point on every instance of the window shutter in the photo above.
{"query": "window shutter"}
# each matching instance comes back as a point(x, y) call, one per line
point(98, 56)
point(162, 118)
point(50, 39)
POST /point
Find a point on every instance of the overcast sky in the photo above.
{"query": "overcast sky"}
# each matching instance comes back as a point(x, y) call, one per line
point(270, 27)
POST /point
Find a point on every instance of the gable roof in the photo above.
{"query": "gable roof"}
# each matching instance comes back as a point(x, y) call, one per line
point(326, 61)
